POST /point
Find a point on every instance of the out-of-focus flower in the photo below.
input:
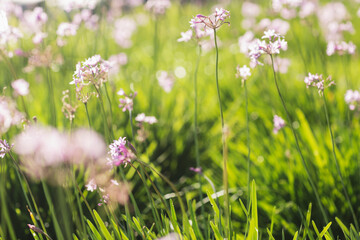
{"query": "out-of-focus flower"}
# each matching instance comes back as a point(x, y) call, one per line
point(70, 5)
point(4, 26)
point(279, 123)
point(44, 151)
point(66, 29)
point(316, 80)
point(116, 61)
point(42, 58)
point(214, 21)
point(119, 154)
point(196, 170)
point(352, 98)
point(4, 148)
point(21, 87)
point(124, 29)
point(34, 20)
point(243, 73)
point(39, 37)
point(94, 71)
point(166, 81)
point(250, 10)
point(340, 48)
point(9, 115)
point(278, 25)
point(142, 118)
point(91, 185)
point(171, 236)
point(281, 65)
point(127, 102)
point(157, 7)
point(90, 20)
point(67, 108)
point(186, 36)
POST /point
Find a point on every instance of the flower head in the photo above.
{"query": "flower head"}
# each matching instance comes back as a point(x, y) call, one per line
point(166, 81)
point(279, 123)
point(316, 80)
point(157, 7)
point(9, 115)
point(352, 98)
point(4, 148)
point(119, 153)
point(127, 102)
point(243, 73)
point(214, 21)
point(21, 87)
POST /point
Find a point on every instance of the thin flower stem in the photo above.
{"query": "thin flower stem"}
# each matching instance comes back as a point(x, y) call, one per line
point(51, 98)
point(106, 125)
point(79, 205)
point(132, 128)
point(58, 230)
point(17, 168)
point(248, 143)
point(299, 149)
point(225, 172)
point(87, 114)
point(110, 108)
point(338, 166)
point(196, 135)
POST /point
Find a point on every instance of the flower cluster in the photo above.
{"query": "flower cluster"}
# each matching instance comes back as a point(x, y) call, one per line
point(214, 21)
point(157, 7)
point(243, 73)
point(352, 98)
point(125, 27)
point(141, 118)
point(4, 148)
point(316, 80)
point(21, 87)
point(67, 108)
point(272, 44)
point(9, 115)
point(119, 153)
point(340, 48)
point(93, 70)
point(279, 123)
point(166, 81)
point(43, 150)
point(127, 102)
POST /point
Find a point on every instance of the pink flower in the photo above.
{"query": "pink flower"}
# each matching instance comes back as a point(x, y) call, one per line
point(166, 81)
point(66, 29)
point(316, 80)
point(147, 119)
point(4, 148)
point(127, 102)
point(4, 26)
point(186, 36)
point(119, 153)
point(9, 115)
point(243, 73)
point(21, 87)
point(214, 21)
point(91, 186)
point(157, 7)
point(352, 98)
point(279, 123)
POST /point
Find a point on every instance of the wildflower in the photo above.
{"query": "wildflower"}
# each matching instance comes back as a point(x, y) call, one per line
point(123, 31)
point(196, 170)
point(316, 80)
point(214, 21)
point(67, 108)
point(66, 29)
point(157, 7)
point(39, 37)
point(273, 44)
point(147, 119)
point(116, 61)
point(279, 123)
point(4, 26)
point(127, 102)
point(4, 148)
point(340, 48)
point(21, 87)
point(93, 70)
point(166, 81)
point(119, 153)
point(352, 98)
point(250, 10)
point(186, 36)
point(243, 73)
point(9, 115)
point(91, 186)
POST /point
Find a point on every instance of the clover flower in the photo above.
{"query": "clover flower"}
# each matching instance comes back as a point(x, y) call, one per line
point(119, 153)
point(127, 102)
point(4, 148)
point(93, 70)
point(279, 123)
point(352, 98)
point(214, 21)
point(316, 80)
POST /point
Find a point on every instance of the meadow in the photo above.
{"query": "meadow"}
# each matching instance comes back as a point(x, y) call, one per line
point(158, 119)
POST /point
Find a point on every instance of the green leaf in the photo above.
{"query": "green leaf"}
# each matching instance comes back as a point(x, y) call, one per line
point(216, 231)
point(93, 229)
point(325, 229)
point(105, 232)
point(343, 228)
